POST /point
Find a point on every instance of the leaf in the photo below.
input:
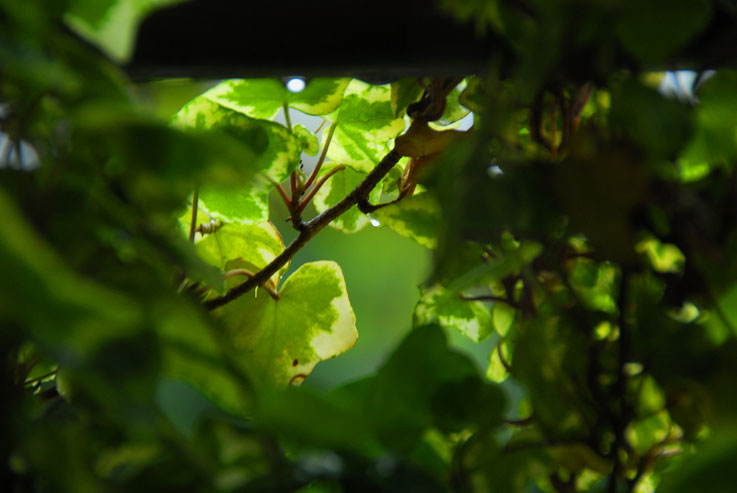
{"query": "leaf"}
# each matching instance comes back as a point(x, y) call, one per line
point(404, 92)
point(257, 245)
point(714, 142)
point(282, 341)
point(244, 204)
point(192, 352)
point(310, 144)
point(503, 317)
point(335, 190)
point(547, 357)
point(596, 284)
point(366, 125)
point(416, 217)
point(445, 307)
point(277, 150)
point(497, 369)
point(454, 110)
point(660, 125)
point(111, 24)
point(423, 383)
point(263, 98)
point(709, 468)
point(78, 316)
point(654, 30)
point(472, 96)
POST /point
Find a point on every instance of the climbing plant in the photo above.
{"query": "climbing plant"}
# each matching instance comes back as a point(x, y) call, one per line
point(584, 227)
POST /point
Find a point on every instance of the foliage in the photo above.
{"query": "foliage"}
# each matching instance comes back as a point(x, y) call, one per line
point(154, 337)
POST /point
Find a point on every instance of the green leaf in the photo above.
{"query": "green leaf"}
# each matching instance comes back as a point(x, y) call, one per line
point(654, 30)
point(454, 110)
point(503, 317)
point(320, 97)
point(78, 316)
point(263, 98)
point(257, 245)
point(547, 357)
point(111, 24)
point(193, 352)
point(335, 190)
point(497, 370)
point(661, 125)
point(425, 383)
point(472, 96)
point(596, 284)
point(277, 150)
point(310, 144)
point(283, 340)
point(445, 307)
point(709, 468)
point(366, 126)
point(663, 257)
point(714, 142)
point(416, 217)
point(645, 432)
point(244, 204)
point(404, 92)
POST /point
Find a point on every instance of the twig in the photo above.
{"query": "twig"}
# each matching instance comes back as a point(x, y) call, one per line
point(506, 301)
point(318, 185)
point(310, 229)
point(284, 196)
point(367, 207)
point(245, 272)
point(323, 153)
point(285, 107)
point(193, 221)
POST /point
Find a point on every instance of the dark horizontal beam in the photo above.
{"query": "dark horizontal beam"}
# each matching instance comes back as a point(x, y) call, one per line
point(376, 40)
point(373, 39)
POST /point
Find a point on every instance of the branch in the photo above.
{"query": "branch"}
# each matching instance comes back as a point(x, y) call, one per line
point(310, 229)
point(245, 272)
point(367, 207)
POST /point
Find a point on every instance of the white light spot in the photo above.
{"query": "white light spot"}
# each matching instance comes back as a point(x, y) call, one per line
point(494, 171)
point(296, 84)
point(374, 222)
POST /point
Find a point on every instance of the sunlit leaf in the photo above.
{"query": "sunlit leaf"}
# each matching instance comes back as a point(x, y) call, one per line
point(310, 144)
point(404, 92)
point(277, 150)
point(595, 283)
point(112, 24)
point(263, 98)
point(663, 257)
point(366, 125)
point(335, 190)
point(416, 217)
point(449, 310)
point(257, 245)
point(247, 203)
point(499, 359)
point(282, 340)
